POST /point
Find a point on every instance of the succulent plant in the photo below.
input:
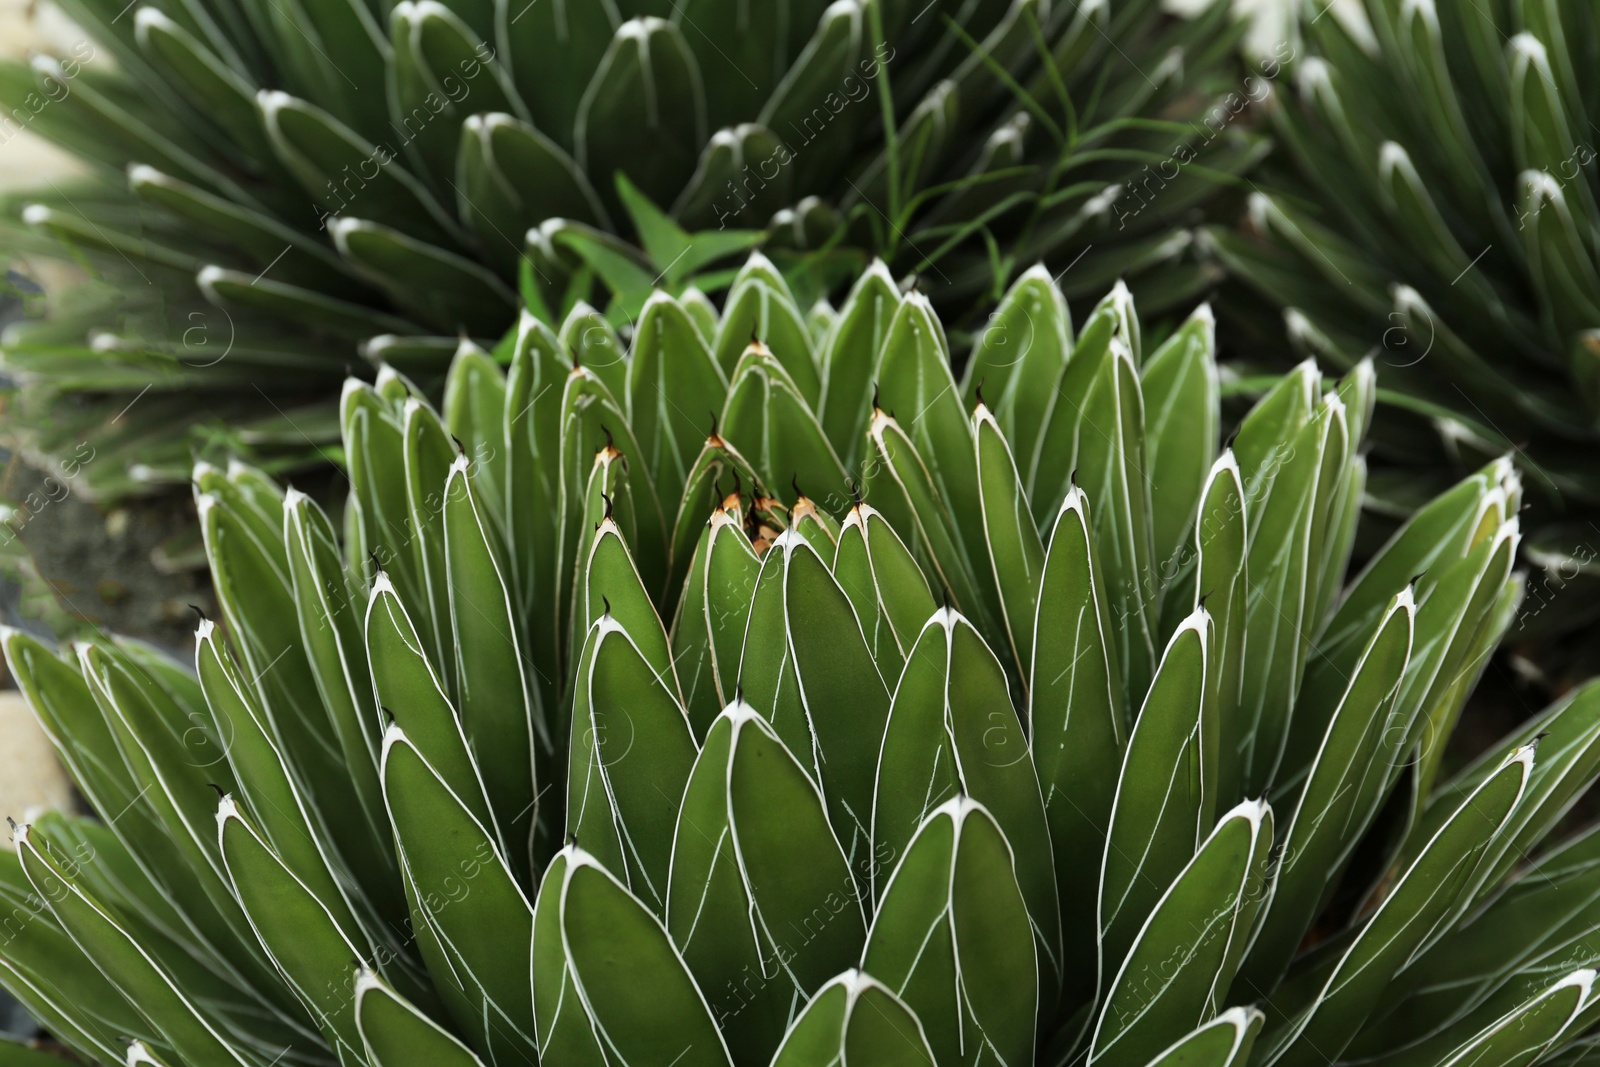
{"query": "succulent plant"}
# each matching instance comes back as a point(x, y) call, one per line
point(273, 184)
point(1040, 728)
point(1434, 203)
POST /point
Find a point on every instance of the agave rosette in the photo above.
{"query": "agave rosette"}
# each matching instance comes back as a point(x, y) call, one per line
point(273, 183)
point(1039, 728)
point(1434, 203)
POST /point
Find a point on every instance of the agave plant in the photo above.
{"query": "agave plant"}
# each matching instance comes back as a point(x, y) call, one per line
point(410, 171)
point(1045, 730)
point(1435, 203)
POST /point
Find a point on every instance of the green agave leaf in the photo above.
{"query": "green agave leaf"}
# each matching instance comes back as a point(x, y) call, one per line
point(914, 378)
point(337, 167)
point(504, 727)
point(1166, 793)
point(409, 690)
point(292, 256)
point(427, 453)
point(309, 945)
point(607, 975)
point(632, 751)
point(1180, 388)
point(614, 586)
point(714, 197)
point(1222, 1042)
point(185, 59)
point(535, 383)
point(806, 666)
point(708, 632)
point(437, 63)
point(96, 931)
point(1017, 360)
point(1183, 961)
point(1408, 919)
point(770, 418)
point(1329, 815)
point(328, 606)
point(510, 176)
point(1221, 538)
point(1016, 554)
point(900, 486)
point(760, 885)
point(703, 493)
point(855, 1019)
point(1520, 1035)
point(55, 980)
point(1076, 727)
point(1285, 546)
point(835, 52)
point(594, 344)
point(953, 939)
point(674, 387)
point(472, 923)
point(1112, 467)
point(952, 732)
point(644, 112)
point(1438, 532)
point(849, 355)
point(395, 1034)
point(885, 586)
point(819, 529)
point(474, 411)
point(445, 290)
point(760, 311)
point(292, 829)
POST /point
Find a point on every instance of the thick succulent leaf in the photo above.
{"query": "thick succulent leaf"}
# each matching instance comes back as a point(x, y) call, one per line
point(297, 927)
point(1180, 387)
point(1407, 920)
point(916, 387)
point(471, 921)
point(900, 486)
point(849, 355)
point(644, 112)
point(1180, 967)
point(606, 974)
point(135, 974)
point(708, 632)
point(952, 938)
point(1076, 727)
point(1016, 554)
point(855, 1019)
point(395, 1034)
point(1221, 583)
point(1017, 360)
point(806, 666)
point(758, 878)
point(675, 389)
point(504, 727)
point(408, 689)
point(1222, 1042)
point(328, 605)
point(769, 418)
point(1286, 503)
point(760, 310)
point(885, 586)
point(1166, 795)
point(1328, 819)
point(953, 733)
point(632, 751)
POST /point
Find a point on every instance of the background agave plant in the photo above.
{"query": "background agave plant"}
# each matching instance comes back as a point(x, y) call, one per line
point(1045, 731)
point(1435, 203)
point(276, 183)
